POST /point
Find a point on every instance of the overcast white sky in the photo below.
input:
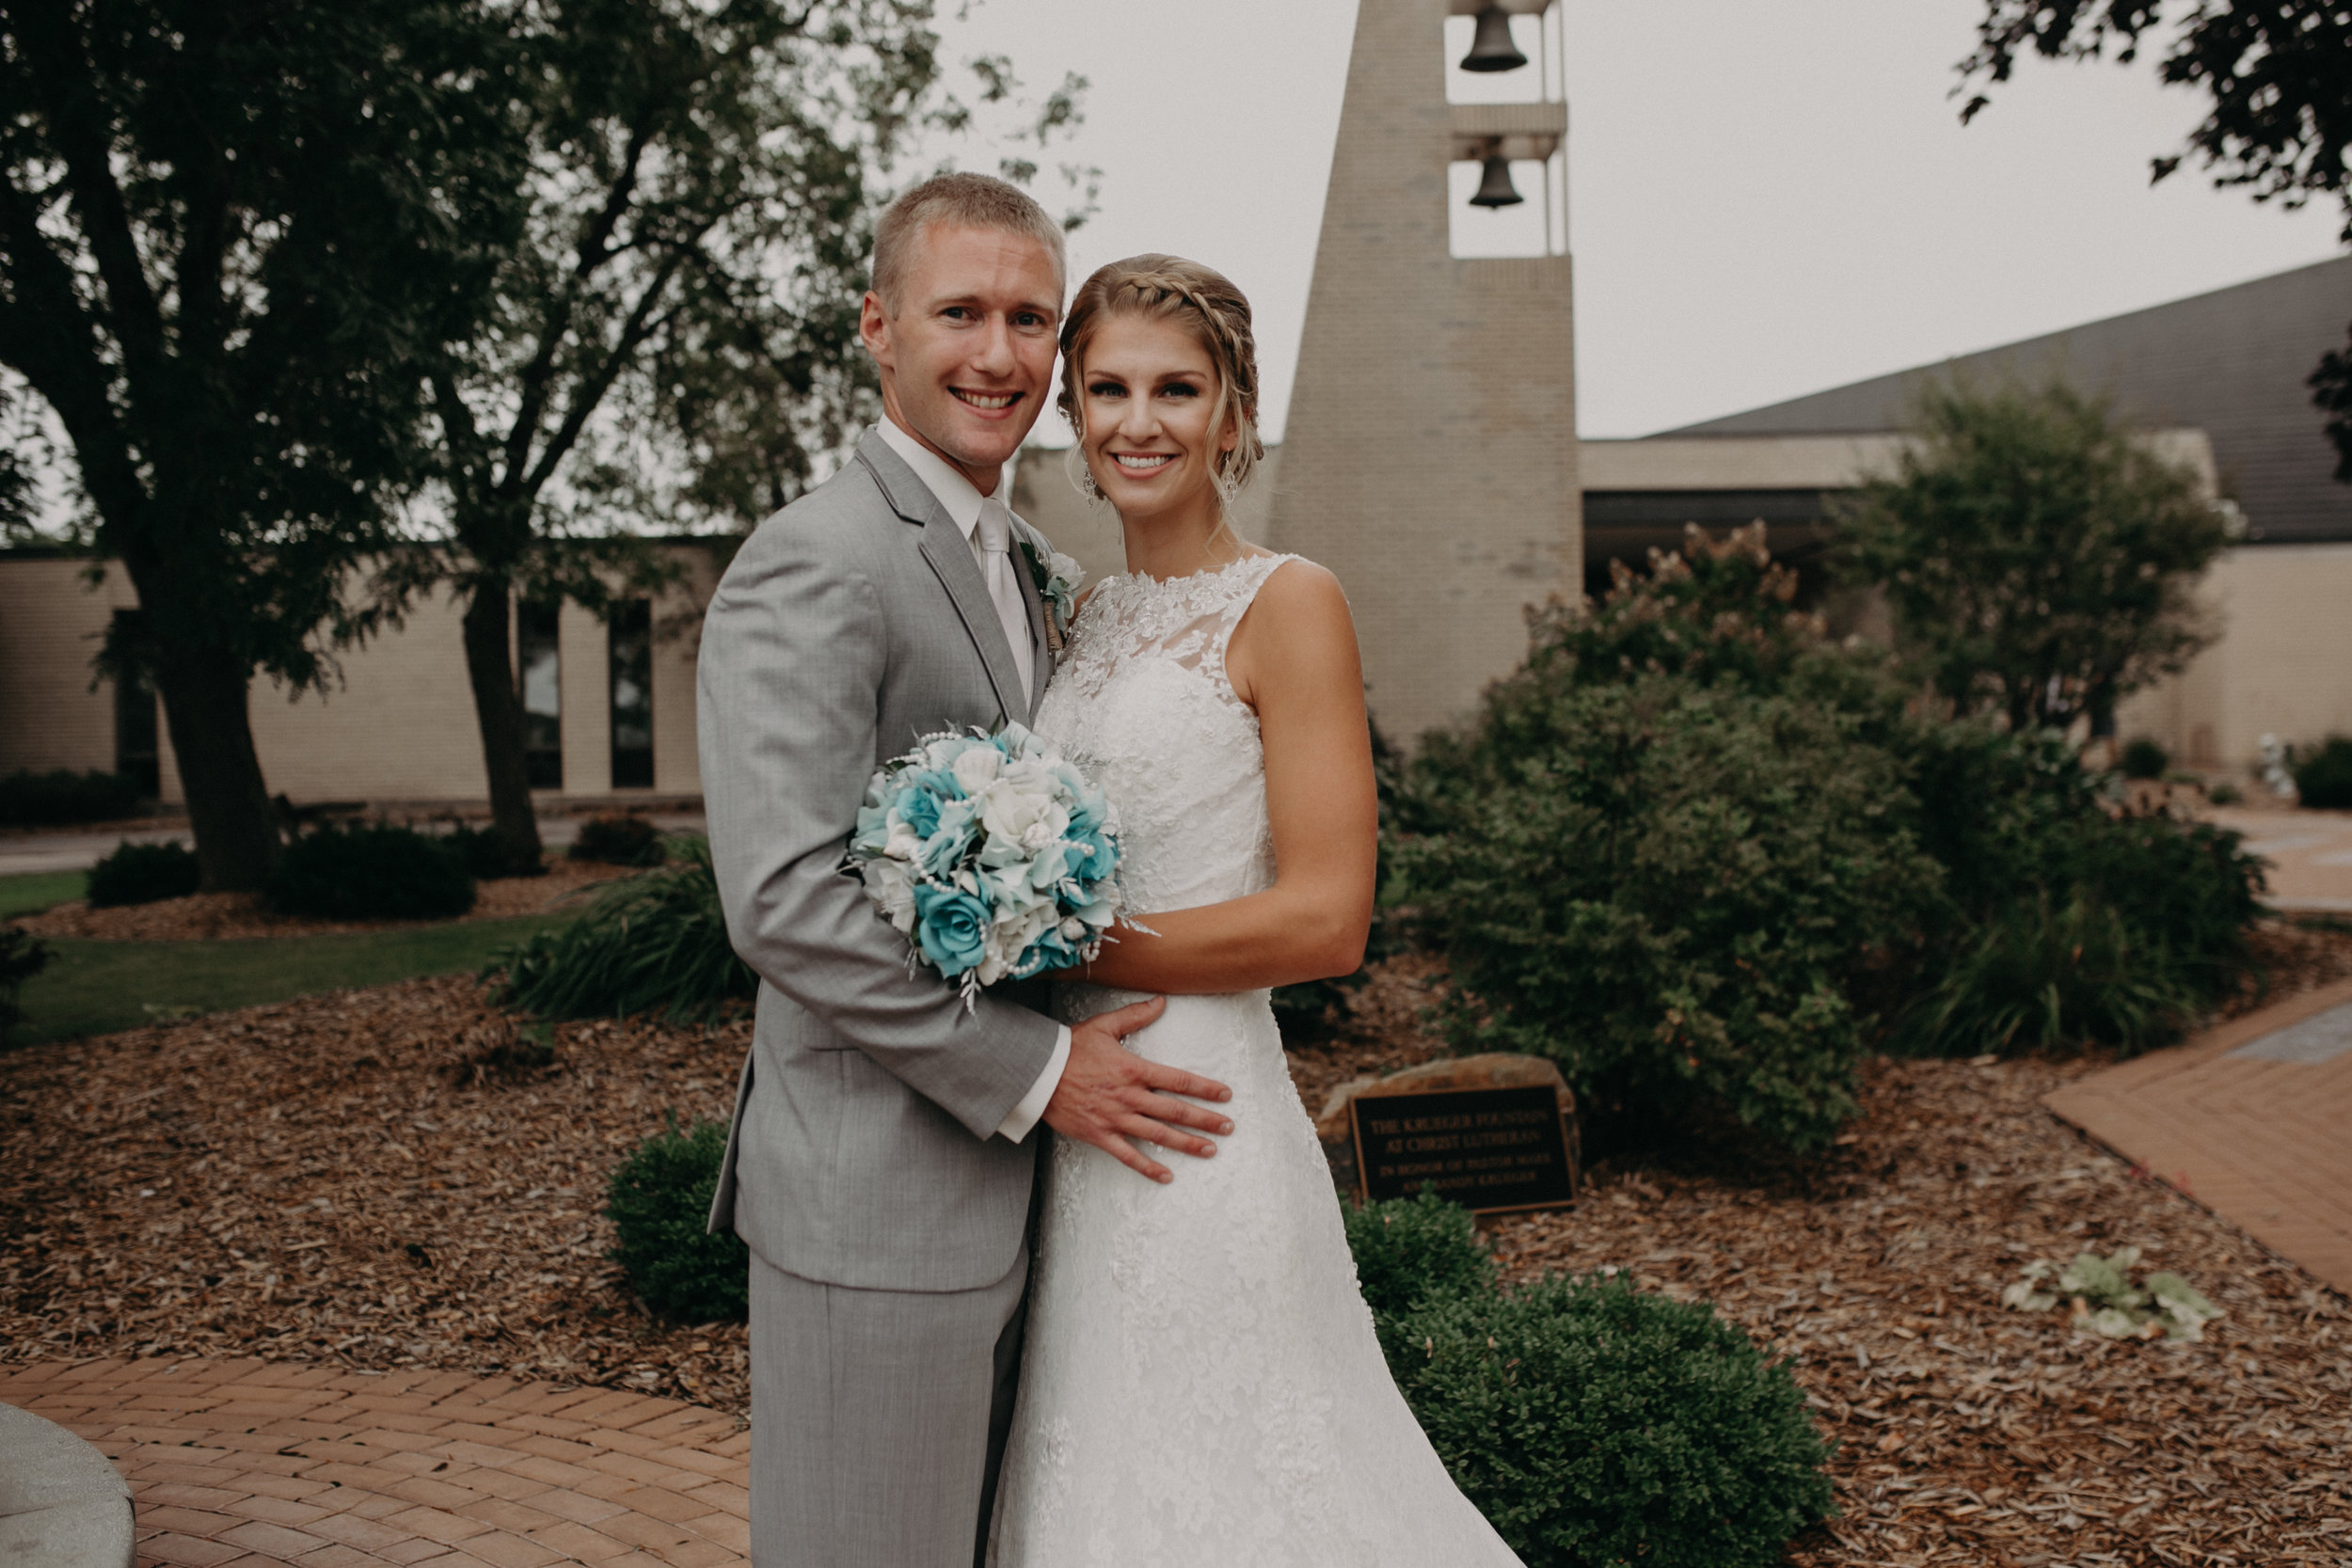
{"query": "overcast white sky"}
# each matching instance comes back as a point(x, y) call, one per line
point(1765, 200)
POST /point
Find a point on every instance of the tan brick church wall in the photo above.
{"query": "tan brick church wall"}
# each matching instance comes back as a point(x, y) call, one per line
point(397, 728)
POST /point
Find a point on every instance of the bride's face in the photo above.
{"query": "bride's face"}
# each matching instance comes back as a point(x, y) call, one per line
point(1147, 397)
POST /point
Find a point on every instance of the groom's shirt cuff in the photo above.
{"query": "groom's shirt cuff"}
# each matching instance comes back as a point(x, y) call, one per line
point(1023, 1117)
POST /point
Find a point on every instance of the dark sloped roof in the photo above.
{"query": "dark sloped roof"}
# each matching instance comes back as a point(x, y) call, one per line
point(2231, 363)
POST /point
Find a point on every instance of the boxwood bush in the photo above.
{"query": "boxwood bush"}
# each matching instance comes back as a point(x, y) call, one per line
point(371, 872)
point(1596, 1424)
point(618, 840)
point(144, 874)
point(1592, 1423)
point(653, 942)
point(32, 799)
point(21, 956)
point(659, 1201)
point(491, 856)
point(2143, 758)
point(1413, 1251)
point(2324, 779)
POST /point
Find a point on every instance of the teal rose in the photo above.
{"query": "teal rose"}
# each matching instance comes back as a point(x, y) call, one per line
point(952, 928)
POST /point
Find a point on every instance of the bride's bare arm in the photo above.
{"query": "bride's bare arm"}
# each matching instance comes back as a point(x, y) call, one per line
point(1294, 660)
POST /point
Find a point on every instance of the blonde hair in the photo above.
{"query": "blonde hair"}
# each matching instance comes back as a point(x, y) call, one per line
point(1204, 301)
point(965, 202)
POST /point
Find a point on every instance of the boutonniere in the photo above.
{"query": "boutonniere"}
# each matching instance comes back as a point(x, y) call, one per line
point(1057, 578)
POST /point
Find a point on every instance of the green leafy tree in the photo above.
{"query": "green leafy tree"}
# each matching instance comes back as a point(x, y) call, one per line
point(675, 333)
point(2278, 75)
point(226, 226)
point(2038, 558)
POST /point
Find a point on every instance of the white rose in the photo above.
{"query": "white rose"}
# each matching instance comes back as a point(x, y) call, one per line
point(977, 769)
point(1010, 813)
point(891, 885)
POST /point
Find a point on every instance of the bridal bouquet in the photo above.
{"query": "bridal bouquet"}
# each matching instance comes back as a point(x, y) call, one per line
point(994, 857)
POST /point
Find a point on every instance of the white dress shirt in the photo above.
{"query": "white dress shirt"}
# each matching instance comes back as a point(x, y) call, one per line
point(962, 502)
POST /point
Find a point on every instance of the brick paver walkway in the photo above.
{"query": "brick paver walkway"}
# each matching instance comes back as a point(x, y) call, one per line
point(2252, 1120)
point(251, 1464)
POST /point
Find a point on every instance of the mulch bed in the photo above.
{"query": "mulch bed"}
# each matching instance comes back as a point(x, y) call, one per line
point(372, 1178)
point(384, 1177)
point(225, 916)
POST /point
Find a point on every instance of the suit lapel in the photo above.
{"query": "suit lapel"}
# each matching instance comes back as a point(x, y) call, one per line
point(1041, 651)
point(949, 555)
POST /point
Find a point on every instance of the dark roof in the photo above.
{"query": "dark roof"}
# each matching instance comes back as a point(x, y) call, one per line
point(2231, 363)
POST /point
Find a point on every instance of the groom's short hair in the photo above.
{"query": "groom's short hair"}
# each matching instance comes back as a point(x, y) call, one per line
point(964, 200)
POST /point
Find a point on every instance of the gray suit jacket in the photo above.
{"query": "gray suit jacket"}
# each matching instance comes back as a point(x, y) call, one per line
point(863, 1149)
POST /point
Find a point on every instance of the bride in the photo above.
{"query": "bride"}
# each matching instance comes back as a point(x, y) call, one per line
point(1203, 1383)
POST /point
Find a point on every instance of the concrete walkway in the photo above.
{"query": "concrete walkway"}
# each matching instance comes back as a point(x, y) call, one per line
point(2252, 1120)
point(2310, 854)
point(252, 1464)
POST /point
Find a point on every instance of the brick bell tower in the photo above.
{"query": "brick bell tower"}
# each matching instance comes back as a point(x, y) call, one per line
point(1430, 458)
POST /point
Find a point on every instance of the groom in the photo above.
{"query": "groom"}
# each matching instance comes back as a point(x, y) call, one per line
point(886, 1140)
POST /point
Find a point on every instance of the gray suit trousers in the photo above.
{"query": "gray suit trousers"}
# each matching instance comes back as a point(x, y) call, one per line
point(878, 1419)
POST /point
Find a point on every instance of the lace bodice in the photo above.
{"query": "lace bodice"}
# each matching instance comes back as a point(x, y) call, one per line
point(1142, 702)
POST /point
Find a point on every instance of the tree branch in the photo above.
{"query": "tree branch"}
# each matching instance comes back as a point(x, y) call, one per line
point(46, 335)
point(67, 81)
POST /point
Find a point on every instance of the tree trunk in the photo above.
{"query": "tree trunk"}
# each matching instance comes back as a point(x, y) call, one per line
point(203, 691)
point(498, 707)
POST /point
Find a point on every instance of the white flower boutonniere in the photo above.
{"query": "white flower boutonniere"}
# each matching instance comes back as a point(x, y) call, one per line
point(1057, 578)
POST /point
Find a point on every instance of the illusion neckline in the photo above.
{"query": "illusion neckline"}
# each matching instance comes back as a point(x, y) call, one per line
point(1206, 574)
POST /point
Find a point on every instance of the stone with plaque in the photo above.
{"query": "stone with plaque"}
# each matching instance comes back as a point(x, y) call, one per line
point(1495, 1133)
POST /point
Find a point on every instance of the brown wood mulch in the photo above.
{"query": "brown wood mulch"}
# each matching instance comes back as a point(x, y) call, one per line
point(226, 917)
point(382, 1178)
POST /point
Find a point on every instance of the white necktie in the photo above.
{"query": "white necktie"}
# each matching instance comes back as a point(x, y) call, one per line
point(992, 539)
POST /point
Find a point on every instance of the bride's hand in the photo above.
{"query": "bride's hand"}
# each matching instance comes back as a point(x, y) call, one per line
point(1109, 1095)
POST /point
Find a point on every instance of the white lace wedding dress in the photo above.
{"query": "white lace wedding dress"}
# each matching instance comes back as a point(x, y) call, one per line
point(1202, 1383)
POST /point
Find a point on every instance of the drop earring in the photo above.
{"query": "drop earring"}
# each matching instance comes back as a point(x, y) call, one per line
point(1081, 477)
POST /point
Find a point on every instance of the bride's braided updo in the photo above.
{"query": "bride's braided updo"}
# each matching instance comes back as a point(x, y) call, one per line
point(1206, 304)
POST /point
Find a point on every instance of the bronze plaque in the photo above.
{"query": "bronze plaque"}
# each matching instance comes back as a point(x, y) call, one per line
point(1489, 1150)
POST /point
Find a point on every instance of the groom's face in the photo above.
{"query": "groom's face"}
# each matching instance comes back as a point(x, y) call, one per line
point(966, 350)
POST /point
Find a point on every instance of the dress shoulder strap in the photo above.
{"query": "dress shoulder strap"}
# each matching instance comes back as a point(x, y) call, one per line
point(1240, 584)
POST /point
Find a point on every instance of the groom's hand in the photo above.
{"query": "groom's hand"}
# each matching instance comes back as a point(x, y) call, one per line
point(1109, 1095)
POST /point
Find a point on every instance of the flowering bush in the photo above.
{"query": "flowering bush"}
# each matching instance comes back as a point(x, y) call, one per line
point(996, 858)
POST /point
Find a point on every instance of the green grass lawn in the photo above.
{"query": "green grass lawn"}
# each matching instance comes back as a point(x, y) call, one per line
point(39, 890)
point(95, 988)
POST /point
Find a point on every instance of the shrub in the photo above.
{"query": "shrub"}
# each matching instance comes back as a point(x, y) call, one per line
point(371, 873)
point(33, 800)
point(143, 874)
point(618, 841)
point(2324, 779)
point(659, 1203)
point(21, 956)
point(2224, 794)
point(2038, 556)
point(2144, 759)
point(491, 856)
point(656, 942)
point(1676, 893)
point(2057, 922)
point(1593, 1424)
point(1411, 1252)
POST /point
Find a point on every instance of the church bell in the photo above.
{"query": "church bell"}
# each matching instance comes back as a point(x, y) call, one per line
point(1492, 49)
point(1495, 188)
